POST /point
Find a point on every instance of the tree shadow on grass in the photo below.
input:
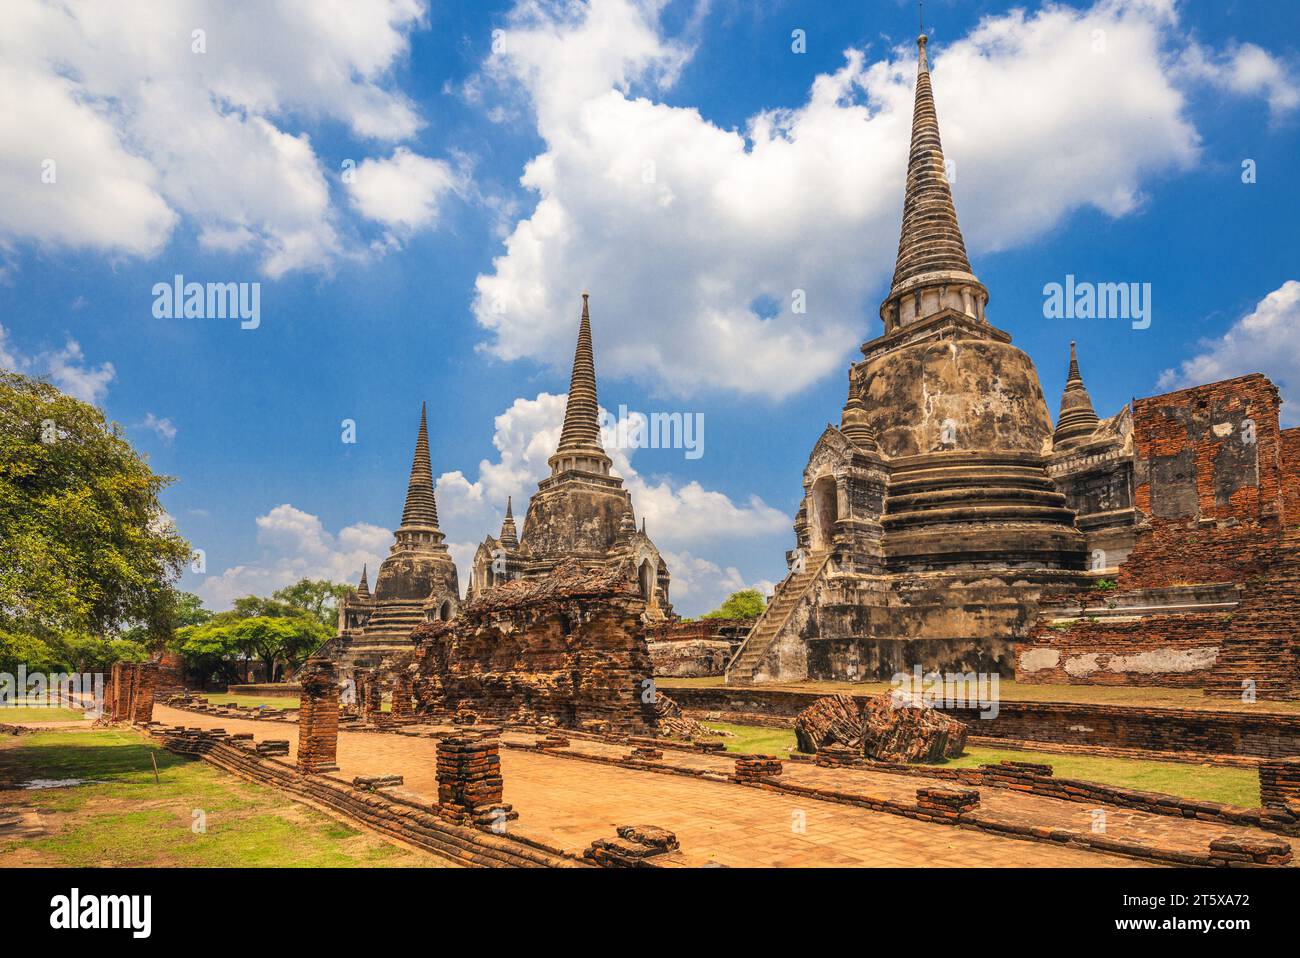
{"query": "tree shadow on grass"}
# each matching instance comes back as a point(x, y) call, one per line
point(91, 756)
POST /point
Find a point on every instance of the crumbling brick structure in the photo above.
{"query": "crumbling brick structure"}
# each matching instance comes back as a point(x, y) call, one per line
point(130, 692)
point(403, 705)
point(1205, 598)
point(1208, 474)
point(469, 780)
point(567, 649)
point(318, 718)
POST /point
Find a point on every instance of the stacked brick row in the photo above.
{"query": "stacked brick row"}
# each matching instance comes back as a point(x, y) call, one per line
point(318, 719)
point(755, 768)
point(1236, 852)
point(947, 802)
point(470, 786)
point(1279, 784)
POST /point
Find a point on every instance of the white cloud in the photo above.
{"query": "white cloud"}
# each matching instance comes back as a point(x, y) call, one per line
point(66, 368)
point(1267, 341)
point(144, 130)
point(405, 191)
point(703, 585)
point(296, 545)
point(163, 427)
point(679, 226)
point(1247, 70)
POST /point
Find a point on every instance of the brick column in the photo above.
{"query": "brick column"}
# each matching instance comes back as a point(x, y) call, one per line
point(372, 702)
point(469, 781)
point(110, 692)
point(146, 680)
point(755, 768)
point(120, 693)
point(402, 707)
point(1279, 784)
point(318, 718)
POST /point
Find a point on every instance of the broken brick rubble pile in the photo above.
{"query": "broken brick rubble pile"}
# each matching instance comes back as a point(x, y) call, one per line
point(894, 726)
point(674, 724)
point(566, 649)
point(635, 847)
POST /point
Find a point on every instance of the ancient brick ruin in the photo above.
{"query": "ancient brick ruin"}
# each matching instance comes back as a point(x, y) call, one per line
point(318, 718)
point(568, 649)
point(129, 692)
point(1208, 596)
point(945, 523)
point(469, 780)
point(580, 511)
point(417, 581)
point(697, 648)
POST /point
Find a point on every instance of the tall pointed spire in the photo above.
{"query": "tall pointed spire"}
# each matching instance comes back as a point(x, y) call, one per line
point(931, 250)
point(363, 587)
point(509, 535)
point(580, 446)
point(421, 510)
point(1078, 420)
point(930, 240)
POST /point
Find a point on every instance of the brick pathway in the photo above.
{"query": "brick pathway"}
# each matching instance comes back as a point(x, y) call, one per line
point(996, 804)
point(568, 803)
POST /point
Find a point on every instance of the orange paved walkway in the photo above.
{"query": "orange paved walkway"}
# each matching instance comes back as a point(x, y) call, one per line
point(569, 803)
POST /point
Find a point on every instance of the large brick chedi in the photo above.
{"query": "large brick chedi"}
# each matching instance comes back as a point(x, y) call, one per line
point(929, 523)
point(568, 648)
point(416, 582)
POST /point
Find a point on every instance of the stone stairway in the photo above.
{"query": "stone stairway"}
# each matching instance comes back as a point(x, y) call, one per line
point(389, 630)
point(1263, 645)
point(792, 589)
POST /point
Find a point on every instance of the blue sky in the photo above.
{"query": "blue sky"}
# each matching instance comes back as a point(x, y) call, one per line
point(679, 160)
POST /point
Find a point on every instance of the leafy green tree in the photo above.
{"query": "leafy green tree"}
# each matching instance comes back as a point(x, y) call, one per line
point(745, 604)
point(174, 610)
point(19, 648)
point(85, 545)
point(274, 640)
point(318, 597)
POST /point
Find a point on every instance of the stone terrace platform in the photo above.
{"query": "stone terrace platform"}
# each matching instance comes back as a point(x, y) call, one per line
point(571, 796)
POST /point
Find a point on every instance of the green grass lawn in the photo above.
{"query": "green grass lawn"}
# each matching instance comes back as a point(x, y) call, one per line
point(129, 820)
point(1011, 691)
point(17, 715)
point(274, 701)
point(1236, 786)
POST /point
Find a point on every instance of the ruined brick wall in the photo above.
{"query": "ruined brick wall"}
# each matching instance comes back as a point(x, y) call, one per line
point(699, 629)
point(129, 692)
point(146, 680)
point(1209, 483)
point(1291, 476)
point(567, 648)
point(1173, 651)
